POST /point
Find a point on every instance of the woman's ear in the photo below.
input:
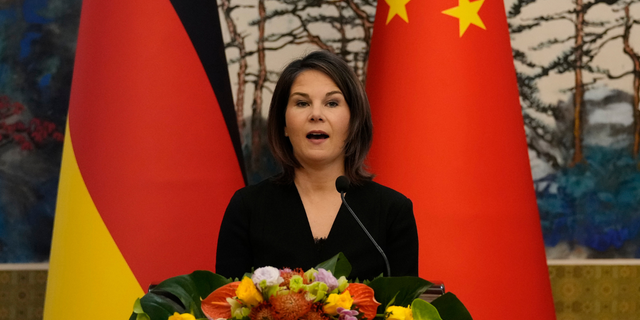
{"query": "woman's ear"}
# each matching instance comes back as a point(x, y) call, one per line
point(286, 134)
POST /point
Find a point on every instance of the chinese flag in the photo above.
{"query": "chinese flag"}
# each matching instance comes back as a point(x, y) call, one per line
point(449, 134)
point(149, 161)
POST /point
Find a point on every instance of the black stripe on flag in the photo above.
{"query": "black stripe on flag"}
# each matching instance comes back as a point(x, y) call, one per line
point(202, 23)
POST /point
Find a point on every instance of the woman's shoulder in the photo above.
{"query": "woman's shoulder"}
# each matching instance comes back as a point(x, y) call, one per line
point(379, 195)
point(265, 188)
point(384, 202)
point(374, 190)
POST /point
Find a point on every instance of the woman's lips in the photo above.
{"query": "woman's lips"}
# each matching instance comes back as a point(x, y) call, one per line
point(317, 136)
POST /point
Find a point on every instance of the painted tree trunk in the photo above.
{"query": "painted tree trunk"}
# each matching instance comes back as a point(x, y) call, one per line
point(256, 108)
point(367, 26)
point(237, 41)
point(578, 98)
point(636, 79)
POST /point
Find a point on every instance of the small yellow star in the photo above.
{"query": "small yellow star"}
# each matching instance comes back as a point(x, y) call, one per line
point(467, 12)
point(397, 7)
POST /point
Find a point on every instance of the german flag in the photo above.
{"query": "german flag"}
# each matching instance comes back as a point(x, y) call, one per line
point(151, 155)
point(449, 134)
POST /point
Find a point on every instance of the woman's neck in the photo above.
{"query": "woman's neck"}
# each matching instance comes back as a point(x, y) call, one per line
point(321, 200)
point(314, 180)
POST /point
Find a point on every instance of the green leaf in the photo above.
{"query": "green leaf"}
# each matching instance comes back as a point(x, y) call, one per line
point(404, 289)
point(159, 307)
point(181, 287)
point(142, 316)
point(338, 265)
point(390, 301)
point(139, 313)
point(207, 282)
point(137, 308)
point(180, 294)
point(451, 308)
point(423, 310)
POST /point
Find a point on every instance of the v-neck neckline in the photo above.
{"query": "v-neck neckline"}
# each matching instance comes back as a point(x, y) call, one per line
point(308, 224)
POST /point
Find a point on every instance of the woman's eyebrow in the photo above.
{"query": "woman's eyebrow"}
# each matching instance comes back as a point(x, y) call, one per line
point(330, 93)
point(304, 95)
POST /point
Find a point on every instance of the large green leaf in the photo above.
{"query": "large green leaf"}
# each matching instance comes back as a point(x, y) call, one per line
point(338, 265)
point(423, 310)
point(181, 287)
point(138, 313)
point(180, 294)
point(451, 308)
point(403, 289)
point(158, 307)
point(206, 282)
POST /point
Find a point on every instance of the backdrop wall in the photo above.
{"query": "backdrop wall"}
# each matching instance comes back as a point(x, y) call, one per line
point(577, 68)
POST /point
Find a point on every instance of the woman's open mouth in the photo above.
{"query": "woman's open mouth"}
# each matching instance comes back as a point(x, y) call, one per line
point(317, 135)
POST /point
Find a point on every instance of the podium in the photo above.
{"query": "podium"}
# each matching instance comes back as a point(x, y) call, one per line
point(434, 291)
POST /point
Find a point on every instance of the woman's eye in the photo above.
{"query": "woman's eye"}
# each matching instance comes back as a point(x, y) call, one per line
point(332, 104)
point(302, 104)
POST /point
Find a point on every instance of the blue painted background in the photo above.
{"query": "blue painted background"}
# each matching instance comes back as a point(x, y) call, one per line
point(37, 44)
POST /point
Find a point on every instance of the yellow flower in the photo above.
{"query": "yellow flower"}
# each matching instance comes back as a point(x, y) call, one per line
point(399, 313)
point(248, 293)
point(184, 316)
point(335, 301)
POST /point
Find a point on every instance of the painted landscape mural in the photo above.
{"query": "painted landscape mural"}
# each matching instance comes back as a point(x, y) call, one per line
point(579, 78)
point(37, 45)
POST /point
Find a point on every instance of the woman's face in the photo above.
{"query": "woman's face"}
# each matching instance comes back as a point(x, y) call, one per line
point(317, 120)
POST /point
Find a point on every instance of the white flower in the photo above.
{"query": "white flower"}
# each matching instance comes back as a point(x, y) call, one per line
point(266, 276)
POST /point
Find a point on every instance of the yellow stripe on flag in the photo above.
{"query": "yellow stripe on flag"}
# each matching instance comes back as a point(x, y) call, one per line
point(88, 276)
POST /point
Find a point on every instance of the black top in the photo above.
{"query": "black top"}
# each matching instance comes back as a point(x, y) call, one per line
point(266, 225)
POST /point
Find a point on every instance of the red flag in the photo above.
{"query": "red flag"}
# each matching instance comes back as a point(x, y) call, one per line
point(149, 163)
point(449, 134)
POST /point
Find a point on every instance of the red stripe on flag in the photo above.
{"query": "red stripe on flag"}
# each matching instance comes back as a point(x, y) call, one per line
point(449, 134)
point(151, 142)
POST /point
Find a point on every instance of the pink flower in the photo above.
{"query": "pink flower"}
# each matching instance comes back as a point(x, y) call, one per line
point(328, 278)
point(346, 314)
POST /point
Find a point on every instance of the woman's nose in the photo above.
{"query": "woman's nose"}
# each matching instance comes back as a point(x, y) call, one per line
point(316, 113)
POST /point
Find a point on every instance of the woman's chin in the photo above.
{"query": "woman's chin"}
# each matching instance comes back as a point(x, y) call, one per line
point(321, 160)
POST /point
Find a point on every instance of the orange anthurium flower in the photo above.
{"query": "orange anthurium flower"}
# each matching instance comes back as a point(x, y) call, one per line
point(363, 298)
point(215, 306)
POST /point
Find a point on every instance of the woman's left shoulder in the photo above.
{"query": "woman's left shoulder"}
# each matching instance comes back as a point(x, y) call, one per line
point(384, 202)
point(375, 190)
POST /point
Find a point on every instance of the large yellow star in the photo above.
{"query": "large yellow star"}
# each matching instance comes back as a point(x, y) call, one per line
point(397, 7)
point(467, 12)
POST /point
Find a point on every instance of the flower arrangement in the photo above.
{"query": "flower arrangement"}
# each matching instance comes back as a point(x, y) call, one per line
point(320, 293)
point(286, 294)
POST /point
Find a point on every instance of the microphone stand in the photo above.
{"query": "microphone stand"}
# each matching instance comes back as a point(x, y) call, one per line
point(384, 256)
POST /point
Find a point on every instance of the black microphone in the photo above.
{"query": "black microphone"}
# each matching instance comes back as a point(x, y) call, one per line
point(342, 185)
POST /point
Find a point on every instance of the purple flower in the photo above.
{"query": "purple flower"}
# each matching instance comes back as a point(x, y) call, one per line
point(328, 278)
point(347, 314)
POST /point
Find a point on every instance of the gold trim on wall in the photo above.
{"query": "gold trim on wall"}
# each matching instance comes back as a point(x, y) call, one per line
point(584, 292)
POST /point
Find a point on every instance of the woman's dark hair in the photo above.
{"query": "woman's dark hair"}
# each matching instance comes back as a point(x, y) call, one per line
point(360, 126)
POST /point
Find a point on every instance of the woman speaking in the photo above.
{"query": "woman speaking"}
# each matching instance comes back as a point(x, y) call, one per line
point(319, 128)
